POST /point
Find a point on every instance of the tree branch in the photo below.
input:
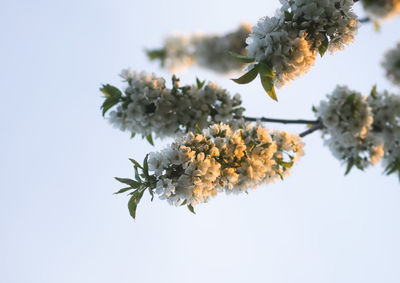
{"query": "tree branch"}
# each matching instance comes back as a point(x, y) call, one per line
point(283, 121)
point(364, 20)
point(314, 128)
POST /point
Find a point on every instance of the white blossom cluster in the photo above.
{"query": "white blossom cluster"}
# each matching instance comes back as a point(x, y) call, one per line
point(386, 109)
point(391, 64)
point(348, 124)
point(381, 9)
point(150, 107)
point(222, 158)
point(208, 51)
point(290, 40)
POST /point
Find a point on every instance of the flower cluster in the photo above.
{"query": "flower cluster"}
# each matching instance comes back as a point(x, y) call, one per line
point(221, 158)
point(391, 64)
point(347, 120)
point(148, 106)
point(362, 130)
point(289, 41)
point(207, 51)
point(381, 9)
point(386, 110)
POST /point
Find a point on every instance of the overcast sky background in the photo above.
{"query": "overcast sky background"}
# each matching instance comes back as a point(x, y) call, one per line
point(59, 219)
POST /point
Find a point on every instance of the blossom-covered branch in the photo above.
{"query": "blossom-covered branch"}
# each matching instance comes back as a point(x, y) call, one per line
point(148, 107)
point(361, 130)
point(391, 64)
point(379, 10)
point(285, 46)
point(221, 158)
point(207, 51)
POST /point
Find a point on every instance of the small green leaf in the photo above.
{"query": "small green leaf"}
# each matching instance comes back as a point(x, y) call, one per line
point(109, 103)
point(151, 193)
point(266, 70)
point(137, 176)
point(133, 202)
point(373, 92)
point(200, 84)
point(135, 163)
point(377, 26)
point(129, 182)
point(133, 134)
point(286, 164)
point(323, 47)
point(248, 77)
point(350, 165)
point(149, 138)
point(123, 190)
point(268, 85)
point(288, 16)
point(155, 54)
point(146, 166)
point(190, 207)
point(241, 58)
point(393, 167)
point(198, 130)
point(314, 109)
point(350, 100)
point(183, 203)
point(110, 91)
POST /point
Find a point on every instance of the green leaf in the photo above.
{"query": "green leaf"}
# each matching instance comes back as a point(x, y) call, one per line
point(248, 77)
point(288, 16)
point(109, 103)
point(123, 190)
point(110, 91)
point(157, 54)
point(286, 164)
point(241, 58)
point(198, 130)
point(314, 109)
point(265, 70)
point(133, 134)
point(200, 83)
point(129, 182)
point(268, 85)
point(280, 175)
point(373, 92)
point(137, 176)
point(350, 100)
point(377, 26)
point(149, 138)
point(323, 47)
point(183, 203)
point(146, 166)
point(135, 163)
point(190, 207)
point(151, 193)
point(393, 167)
point(350, 165)
point(133, 202)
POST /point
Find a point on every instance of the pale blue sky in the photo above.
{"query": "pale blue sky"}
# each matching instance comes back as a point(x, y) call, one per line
point(60, 221)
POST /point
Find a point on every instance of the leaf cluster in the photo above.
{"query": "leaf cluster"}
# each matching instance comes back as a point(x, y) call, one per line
point(136, 188)
point(143, 181)
point(263, 69)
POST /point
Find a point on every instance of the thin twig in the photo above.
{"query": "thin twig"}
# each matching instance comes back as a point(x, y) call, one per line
point(314, 128)
point(364, 20)
point(283, 121)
